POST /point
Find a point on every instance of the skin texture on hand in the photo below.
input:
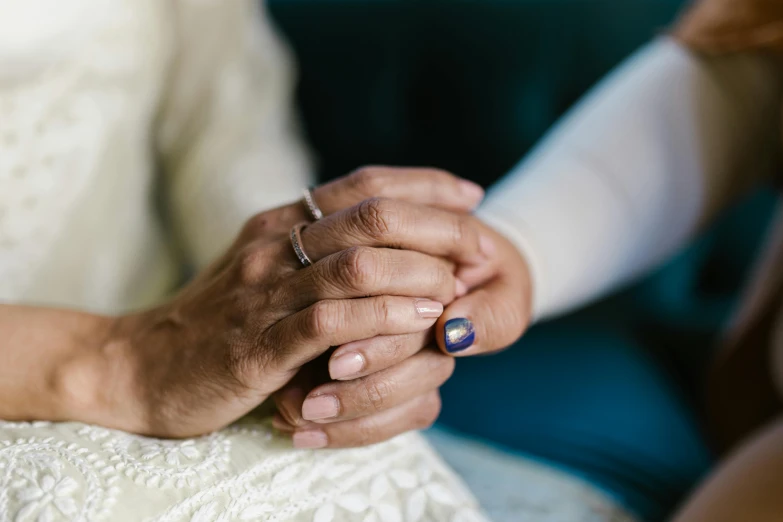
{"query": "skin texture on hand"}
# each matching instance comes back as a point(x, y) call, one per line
point(245, 326)
point(256, 319)
point(377, 388)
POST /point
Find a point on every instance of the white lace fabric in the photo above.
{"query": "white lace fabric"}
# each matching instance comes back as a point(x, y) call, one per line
point(70, 471)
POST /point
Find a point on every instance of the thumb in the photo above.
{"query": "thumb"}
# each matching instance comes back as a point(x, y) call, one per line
point(487, 319)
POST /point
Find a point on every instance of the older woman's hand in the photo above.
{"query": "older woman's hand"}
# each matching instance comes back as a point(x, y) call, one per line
point(246, 325)
point(370, 390)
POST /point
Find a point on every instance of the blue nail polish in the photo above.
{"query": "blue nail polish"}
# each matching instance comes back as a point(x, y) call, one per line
point(458, 334)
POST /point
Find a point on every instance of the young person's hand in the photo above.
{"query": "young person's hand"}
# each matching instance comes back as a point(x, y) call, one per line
point(497, 308)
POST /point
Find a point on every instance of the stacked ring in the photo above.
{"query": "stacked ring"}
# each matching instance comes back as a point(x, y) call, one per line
point(296, 242)
point(311, 205)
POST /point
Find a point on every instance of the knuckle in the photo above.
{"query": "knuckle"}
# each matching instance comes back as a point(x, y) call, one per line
point(252, 261)
point(385, 315)
point(441, 174)
point(324, 319)
point(360, 267)
point(441, 367)
point(367, 180)
point(378, 218)
point(394, 347)
point(444, 279)
point(377, 393)
point(429, 411)
point(256, 226)
point(367, 432)
point(460, 230)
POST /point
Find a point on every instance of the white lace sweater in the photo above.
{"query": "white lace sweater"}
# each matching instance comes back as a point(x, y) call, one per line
point(102, 104)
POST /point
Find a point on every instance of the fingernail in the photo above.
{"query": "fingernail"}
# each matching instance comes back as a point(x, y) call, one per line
point(310, 439)
point(288, 407)
point(428, 309)
point(471, 190)
point(458, 334)
point(461, 288)
point(320, 407)
point(487, 246)
point(345, 365)
point(280, 424)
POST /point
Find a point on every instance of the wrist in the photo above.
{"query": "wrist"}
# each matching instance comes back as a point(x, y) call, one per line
point(519, 250)
point(94, 381)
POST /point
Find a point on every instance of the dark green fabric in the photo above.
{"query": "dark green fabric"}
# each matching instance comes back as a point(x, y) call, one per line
point(464, 85)
point(470, 86)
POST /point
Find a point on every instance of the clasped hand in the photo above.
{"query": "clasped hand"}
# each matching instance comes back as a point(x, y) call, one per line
point(395, 247)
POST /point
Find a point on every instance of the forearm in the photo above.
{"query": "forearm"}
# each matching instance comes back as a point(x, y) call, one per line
point(52, 363)
point(627, 177)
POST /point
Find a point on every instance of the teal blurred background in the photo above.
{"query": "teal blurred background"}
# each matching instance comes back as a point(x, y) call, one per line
point(610, 393)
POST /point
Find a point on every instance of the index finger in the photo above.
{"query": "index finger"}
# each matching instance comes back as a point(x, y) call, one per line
point(421, 185)
point(425, 186)
point(399, 224)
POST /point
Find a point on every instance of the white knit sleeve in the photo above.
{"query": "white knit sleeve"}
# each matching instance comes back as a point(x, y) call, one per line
point(227, 132)
point(625, 179)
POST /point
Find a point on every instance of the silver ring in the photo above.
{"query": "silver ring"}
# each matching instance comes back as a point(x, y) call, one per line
point(296, 242)
point(311, 205)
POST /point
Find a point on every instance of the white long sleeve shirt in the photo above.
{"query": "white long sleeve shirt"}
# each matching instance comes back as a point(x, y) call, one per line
point(627, 177)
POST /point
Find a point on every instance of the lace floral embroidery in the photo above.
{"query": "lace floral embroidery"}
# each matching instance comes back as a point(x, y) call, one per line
point(51, 472)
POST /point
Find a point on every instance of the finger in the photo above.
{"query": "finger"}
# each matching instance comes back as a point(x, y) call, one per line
point(281, 424)
point(487, 319)
point(397, 224)
point(476, 275)
point(417, 375)
point(373, 355)
point(288, 402)
point(366, 271)
point(301, 337)
point(360, 358)
point(416, 414)
point(425, 186)
point(289, 399)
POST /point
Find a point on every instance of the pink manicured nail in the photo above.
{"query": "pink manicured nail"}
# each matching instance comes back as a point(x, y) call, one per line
point(460, 288)
point(487, 246)
point(345, 365)
point(310, 439)
point(428, 309)
point(320, 407)
point(471, 190)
